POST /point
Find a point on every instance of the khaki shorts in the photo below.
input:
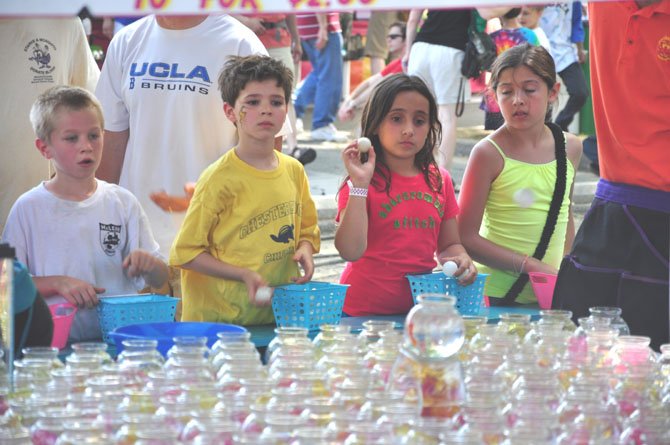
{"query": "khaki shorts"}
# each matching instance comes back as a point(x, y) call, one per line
point(378, 26)
point(440, 67)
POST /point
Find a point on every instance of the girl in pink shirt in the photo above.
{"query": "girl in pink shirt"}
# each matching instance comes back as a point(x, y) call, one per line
point(397, 209)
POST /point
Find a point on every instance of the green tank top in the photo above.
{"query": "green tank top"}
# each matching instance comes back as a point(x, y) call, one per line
point(515, 219)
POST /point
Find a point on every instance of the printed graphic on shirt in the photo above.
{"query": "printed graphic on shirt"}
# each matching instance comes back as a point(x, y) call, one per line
point(280, 255)
point(407, 222)
point(274, 213)
point(169, 77)
point(663, 49)
point(39, 52)
point(110, 238)
point(285, 234)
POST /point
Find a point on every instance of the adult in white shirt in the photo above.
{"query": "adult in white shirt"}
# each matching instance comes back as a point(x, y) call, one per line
point(164, 120)
point(36, 54)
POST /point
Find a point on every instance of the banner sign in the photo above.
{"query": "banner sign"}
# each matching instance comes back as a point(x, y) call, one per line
point(143, 7)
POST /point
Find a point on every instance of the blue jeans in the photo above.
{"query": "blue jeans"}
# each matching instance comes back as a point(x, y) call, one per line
point(578, 92)
point(323, 85)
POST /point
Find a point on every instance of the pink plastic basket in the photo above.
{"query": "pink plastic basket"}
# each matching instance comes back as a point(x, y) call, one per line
point(62, 314)
point(543, 286)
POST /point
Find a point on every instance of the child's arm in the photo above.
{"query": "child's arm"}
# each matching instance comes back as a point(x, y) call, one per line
point(351, 237)
point(484, 165)
point(412, 25)
point(449, 248)
point(74, 290)
point(574, 152)
point(142, 263)
point(205, 263)
point(304, 255)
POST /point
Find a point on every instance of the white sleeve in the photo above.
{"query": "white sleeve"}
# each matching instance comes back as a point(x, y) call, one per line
point(84, 71)
point(140, 235)
point(110, 88)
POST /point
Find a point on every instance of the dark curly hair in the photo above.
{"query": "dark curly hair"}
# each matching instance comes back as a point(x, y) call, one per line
point(240, 70)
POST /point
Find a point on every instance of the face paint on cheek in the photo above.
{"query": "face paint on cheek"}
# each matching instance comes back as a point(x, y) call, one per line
point(243, 113)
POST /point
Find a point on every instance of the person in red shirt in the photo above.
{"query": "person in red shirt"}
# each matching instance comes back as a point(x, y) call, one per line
point(620, 254)
point(397, 210)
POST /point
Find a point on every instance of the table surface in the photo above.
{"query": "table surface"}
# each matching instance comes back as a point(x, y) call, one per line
point(261, 335)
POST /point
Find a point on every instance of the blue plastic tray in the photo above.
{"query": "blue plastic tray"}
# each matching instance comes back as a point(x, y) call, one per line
point(164, 332)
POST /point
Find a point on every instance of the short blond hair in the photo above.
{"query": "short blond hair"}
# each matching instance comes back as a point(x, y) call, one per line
point(44, 110)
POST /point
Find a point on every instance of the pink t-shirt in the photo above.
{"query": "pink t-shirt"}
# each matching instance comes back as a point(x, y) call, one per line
point(403, 230)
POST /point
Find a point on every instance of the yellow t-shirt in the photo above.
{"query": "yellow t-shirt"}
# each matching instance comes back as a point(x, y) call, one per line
point(508, 224)
point(249, 218)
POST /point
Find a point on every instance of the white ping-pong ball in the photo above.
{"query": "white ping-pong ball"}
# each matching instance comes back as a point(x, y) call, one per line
point(263, 294)
point(364, 144)
point(449, 268)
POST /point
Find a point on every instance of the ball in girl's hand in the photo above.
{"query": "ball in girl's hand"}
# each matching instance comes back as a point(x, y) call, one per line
point(449, 268)
point(263, 294)
point(364, 145)
point(524, 197)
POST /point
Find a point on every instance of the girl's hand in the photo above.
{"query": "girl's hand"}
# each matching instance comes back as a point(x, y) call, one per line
point(254, 281)
point(360, 173)
point(303, 256)
point(466, 272)
point(534, 265)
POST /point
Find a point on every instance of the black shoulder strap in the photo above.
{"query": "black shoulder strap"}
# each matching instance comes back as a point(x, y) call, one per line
point(552, 214)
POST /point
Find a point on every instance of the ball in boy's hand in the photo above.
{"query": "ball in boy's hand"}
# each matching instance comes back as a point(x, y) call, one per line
point(364, 144)
point(449, 268)
point(524, 197)
point(263, 295)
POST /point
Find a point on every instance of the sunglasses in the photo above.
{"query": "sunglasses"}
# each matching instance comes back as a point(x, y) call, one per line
point(394, 36)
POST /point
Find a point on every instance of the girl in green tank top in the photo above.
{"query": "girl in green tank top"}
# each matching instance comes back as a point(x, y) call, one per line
point(510, 178)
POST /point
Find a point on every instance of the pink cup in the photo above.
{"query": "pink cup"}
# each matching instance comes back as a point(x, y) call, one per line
point(62, 314)
point(543, 286)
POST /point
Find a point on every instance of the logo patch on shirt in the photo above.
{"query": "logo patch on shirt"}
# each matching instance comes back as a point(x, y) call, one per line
point(663, 49)
point(39, 52)
point(110, 238)
point(285, 234)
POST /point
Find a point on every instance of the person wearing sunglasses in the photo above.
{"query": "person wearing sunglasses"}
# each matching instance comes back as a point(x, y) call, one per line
point(395, 41)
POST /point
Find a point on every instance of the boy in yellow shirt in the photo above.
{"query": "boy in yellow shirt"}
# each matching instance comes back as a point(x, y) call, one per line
point(252, 220)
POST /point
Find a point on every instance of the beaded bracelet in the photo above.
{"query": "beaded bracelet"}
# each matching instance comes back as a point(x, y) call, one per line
point(523, 264)
point(357, 191)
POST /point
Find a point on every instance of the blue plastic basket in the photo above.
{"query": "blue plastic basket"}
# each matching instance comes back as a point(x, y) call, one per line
point(164, 333)
point(115, 312)
point(308, 305)
point(468, 298)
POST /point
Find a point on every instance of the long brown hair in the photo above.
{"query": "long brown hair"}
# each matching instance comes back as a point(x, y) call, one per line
point(374, 113)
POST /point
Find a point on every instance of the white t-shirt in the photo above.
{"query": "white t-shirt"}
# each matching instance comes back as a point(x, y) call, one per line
point(86, 240)
point(542, 38)
point(556, 21)
point(162, 85)
point(36, 54)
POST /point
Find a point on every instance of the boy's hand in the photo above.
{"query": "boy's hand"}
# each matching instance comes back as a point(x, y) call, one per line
point(466, 272)
point(78, 292)
point(140, 263)
point(254, 281)
point(304, 257)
